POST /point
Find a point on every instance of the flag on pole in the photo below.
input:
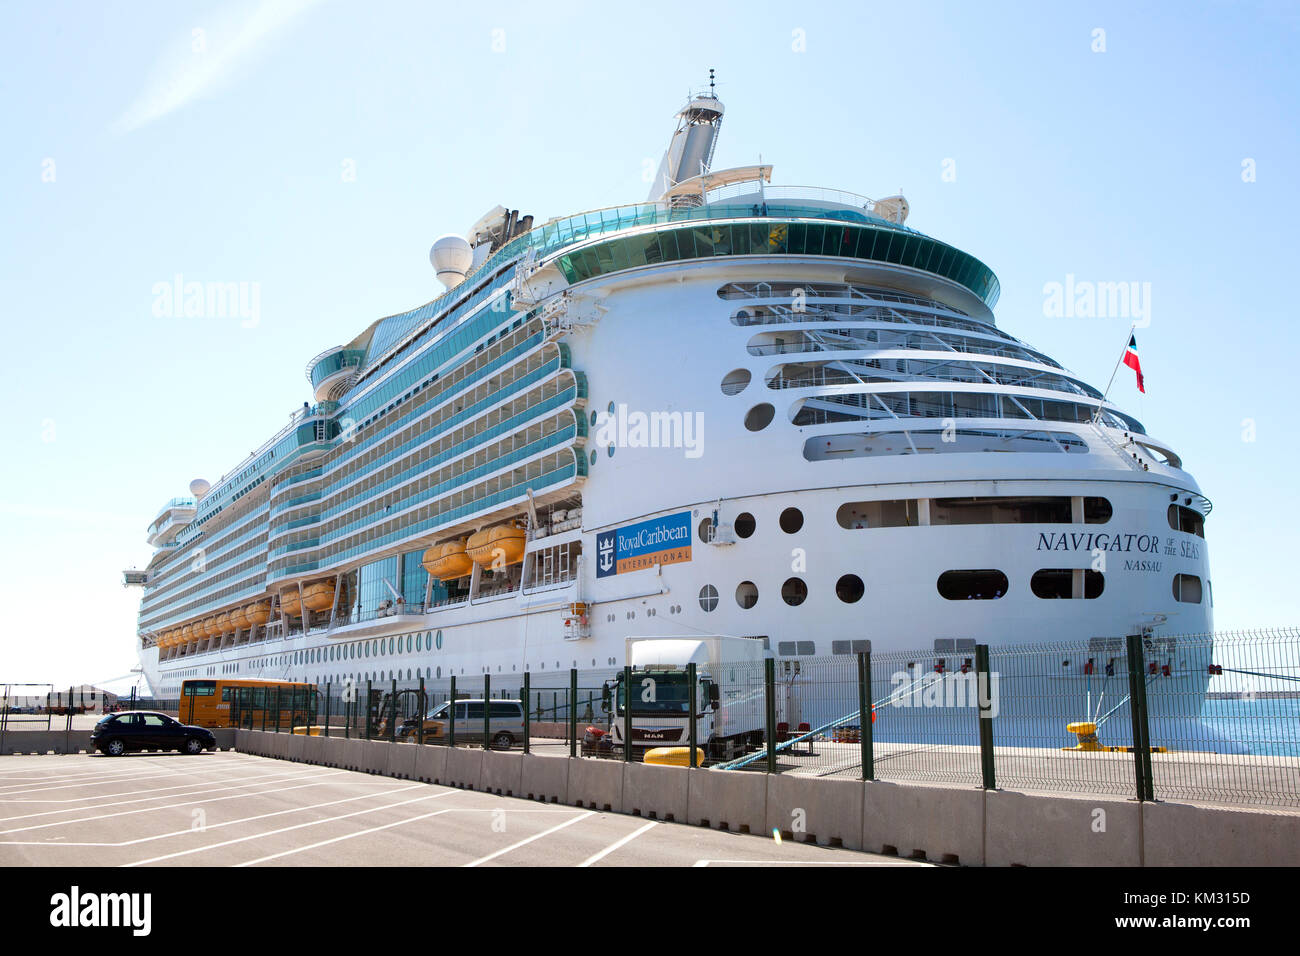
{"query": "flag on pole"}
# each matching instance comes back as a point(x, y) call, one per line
point(1132, 361)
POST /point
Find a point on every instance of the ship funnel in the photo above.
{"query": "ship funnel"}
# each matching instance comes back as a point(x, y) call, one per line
point(451, 257)
point(690, 152)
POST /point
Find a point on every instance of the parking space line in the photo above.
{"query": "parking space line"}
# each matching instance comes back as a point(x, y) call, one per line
point(296, 826)
point(269, 778)
point(175, 806)
point(619, 843)
point(5, 798)
point(536, 836)
point(813, 862)
point(213, 826)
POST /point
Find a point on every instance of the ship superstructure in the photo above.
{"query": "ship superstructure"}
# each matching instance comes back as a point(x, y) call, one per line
point(735, 409)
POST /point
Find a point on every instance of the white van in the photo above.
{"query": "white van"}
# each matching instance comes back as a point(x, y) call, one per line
point(505, 723)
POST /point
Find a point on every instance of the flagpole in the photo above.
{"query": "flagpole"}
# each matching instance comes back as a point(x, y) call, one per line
point(1127, 337)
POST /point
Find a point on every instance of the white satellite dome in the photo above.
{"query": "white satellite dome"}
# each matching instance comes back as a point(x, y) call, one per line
point(451, 257)
point(199, 487)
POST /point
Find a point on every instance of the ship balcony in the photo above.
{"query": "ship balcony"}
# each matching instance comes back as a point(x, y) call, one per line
point(334, 371)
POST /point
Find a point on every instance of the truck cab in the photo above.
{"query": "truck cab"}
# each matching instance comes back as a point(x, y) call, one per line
point(728, 694)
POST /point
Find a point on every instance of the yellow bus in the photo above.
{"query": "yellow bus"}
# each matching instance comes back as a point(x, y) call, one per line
point(247, 703)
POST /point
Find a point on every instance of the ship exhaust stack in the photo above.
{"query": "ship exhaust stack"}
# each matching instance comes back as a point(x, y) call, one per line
point(690, 152)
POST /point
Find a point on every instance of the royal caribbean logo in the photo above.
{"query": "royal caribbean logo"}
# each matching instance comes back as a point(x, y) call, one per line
point(664, 540)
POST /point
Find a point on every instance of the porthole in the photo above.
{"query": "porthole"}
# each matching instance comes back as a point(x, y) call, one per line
point(759, 417)
point(610, 408)
point(746, 594)
point(794, 592)
point(744, 524)
point(609, 451)
point(983, 584)
point(1187, 588)
point(791, 520)
point(706, 530)
point(735, 381)
point(593, 457)
point(594, 416)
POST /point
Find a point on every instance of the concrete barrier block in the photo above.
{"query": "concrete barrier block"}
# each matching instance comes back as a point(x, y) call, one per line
point(226, 738)
point(806, 809)
point(279, 746)
point(373, 756)
point(502, 772)
point(464, 767)
point(331, 751)
point(595, 783)
point(313, 750)
point(944, 824)
point(656, 793)
point(350, 754)
point(401, 761)
point(295, 747)
point(1066, 830)
point(1180, 834)
point(431, 763)
point(733, 800)
point(544, 778)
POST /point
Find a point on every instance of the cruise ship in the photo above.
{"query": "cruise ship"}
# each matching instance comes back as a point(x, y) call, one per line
point(736, 408)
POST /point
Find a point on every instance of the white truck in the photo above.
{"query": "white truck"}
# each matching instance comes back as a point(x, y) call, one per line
point(729, 696)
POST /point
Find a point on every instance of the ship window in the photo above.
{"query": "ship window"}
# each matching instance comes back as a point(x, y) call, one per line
point(1096, 511)
point(708, 597)
point(849, 589)
point(609, 451)
point(1187, 520)
point(744, 525)
point(794, 592)
point(791, 520)
point(760, 416)
point(746, 594)
point(972, 585)
point(851, 647)
point(735, 381)
point(593, 457)
point(1187, 588)
point(1020, 510)
point(898, 513)
point(706, 530)
point(1057, 583)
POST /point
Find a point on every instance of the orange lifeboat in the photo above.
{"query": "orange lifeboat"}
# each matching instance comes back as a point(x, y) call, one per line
point(222, 623)
point(290, 603)
point(448, 560)
point(501, 545)
point(187, 633)
point(257, 613)
point(318, 596)
point(237, 620)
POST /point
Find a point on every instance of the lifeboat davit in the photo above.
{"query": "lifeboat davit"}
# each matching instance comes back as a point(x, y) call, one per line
point(501, 545)
point(257, 613)
point(290, 603)
point(237, 620)
point(318, 596)
point(448, 561)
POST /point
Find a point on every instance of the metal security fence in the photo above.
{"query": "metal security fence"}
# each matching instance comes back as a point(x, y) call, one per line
point(1209, 717)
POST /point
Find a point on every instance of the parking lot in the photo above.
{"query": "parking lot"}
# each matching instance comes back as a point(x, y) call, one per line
point(232, 809)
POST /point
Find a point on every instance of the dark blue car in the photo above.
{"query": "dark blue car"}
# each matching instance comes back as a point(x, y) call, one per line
point(117, 734)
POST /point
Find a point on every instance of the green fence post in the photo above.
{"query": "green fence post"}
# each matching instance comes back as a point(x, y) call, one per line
point(370, 691)
point(528, 726)
point(423, 707)
point(451, 716)
point(692, 701)
point(392, 713)
point(865, 715)
point(266, 702)
point(983, 686)
point(769, 706)
point(277, 708)
point(487, 711)
point(573, 712)
point(329, 687)
point(627, 713)
point(1137, 705)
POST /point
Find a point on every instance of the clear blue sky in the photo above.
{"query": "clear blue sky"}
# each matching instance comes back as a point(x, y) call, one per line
point(220, 156)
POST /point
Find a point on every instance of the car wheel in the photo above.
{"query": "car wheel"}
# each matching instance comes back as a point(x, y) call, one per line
point(193, 746)
point(502, 741)
point(115, 747)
